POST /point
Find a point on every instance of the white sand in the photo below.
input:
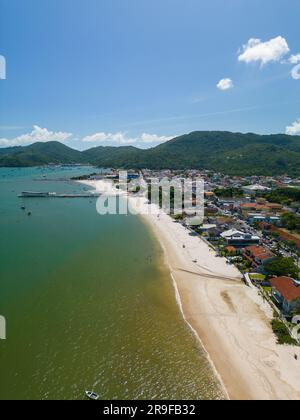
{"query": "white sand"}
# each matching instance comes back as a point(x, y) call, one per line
point(230, 319)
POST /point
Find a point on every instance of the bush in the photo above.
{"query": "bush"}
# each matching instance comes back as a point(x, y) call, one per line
point(282, 333)
point(282, 267)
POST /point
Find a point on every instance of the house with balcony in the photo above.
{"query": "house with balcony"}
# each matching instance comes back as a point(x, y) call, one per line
point(286, 292)
point(258, 256)
point(239, 239)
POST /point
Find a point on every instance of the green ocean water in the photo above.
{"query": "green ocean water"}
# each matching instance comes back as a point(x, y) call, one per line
point(88, 302)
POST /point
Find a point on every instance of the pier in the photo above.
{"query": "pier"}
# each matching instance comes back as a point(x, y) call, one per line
point(31, 194)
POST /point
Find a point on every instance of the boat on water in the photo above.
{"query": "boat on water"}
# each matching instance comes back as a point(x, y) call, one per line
point(92, 395)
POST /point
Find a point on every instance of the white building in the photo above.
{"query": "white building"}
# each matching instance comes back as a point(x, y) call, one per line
point(237, 238)
point(253, 189)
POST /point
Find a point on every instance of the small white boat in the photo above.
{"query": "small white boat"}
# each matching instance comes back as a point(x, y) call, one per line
point(92, 395)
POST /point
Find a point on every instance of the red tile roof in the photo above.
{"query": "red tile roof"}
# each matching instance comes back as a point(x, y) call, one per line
point(274, 206)
point(253, 206)
point(287, 288)
point(285, 235)
point(230, 249)
point(265, 206)
point(260, 252)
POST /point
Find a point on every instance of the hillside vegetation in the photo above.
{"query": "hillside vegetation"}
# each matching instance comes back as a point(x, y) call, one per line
point(230, 153)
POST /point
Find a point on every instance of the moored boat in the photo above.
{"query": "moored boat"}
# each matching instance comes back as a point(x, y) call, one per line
point(92, 395)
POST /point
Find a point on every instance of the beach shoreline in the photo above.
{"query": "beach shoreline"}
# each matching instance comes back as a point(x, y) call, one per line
point(230, 320)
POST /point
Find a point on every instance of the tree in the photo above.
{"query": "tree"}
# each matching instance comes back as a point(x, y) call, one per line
point(291, 222)
point(292, 245)
point(282, 333)
point(229, 192)
point(275, 235)
point(282, 267)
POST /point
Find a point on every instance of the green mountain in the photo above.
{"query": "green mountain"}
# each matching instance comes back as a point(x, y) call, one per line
point(9, 150)
point(231, 153)
point(39, 154)
point(117, 157)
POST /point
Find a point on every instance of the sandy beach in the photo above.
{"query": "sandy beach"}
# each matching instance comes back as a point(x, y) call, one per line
point(230, 319)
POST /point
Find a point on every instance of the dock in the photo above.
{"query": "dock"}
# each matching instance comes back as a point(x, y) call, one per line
point(32, 194)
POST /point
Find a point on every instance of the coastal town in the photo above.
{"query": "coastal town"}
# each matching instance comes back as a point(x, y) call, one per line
point(253, 222)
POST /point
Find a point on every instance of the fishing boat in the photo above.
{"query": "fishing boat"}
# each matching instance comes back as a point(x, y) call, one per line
point(92, 395)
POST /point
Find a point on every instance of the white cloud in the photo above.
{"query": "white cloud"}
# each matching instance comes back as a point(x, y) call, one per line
point(154, 138)
point(294, 59)
point(38, 134)
point(293, 129)
point(295, 73)
point(264, 52)
point(122, 139)
point(116, 138)
point(225, 84)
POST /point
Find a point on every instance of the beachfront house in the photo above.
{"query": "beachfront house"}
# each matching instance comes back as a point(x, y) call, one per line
point(258, 256)
point(239, 239)
point(286, 292)
point(209, 230)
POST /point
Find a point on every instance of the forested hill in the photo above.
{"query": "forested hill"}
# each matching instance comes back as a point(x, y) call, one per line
point(230, 153)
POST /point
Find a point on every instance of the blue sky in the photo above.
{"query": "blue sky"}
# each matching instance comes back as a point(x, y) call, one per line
point(120, 72)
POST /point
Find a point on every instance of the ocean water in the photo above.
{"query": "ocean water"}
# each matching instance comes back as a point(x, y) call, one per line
point(88, 302)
